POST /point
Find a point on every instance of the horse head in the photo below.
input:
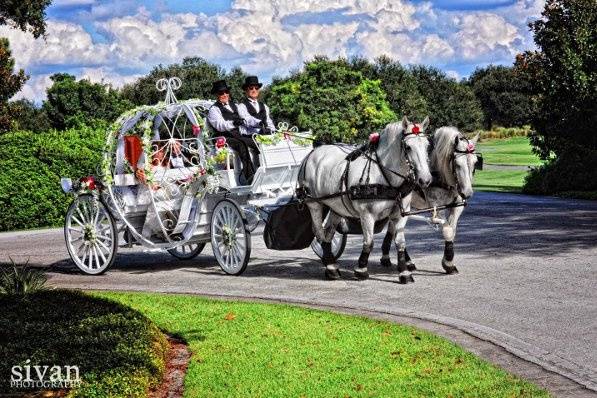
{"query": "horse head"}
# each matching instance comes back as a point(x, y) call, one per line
point(464, 164)
point(454, 158)
point(414, 145)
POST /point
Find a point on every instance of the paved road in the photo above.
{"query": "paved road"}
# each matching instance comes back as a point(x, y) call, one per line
point(527, 282)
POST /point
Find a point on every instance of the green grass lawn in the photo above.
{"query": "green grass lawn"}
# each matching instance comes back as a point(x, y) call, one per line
point(515, 151)
point(262, 350)
point(499, 181)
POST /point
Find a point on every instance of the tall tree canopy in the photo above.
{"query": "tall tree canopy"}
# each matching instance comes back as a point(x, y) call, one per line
point(564, 76)
point(196, 74)
point(332, 99)
point(398, 83)
point(448, 102)
point(73, 103)
point(27, 15)
point(10, 83)
point(505, 96)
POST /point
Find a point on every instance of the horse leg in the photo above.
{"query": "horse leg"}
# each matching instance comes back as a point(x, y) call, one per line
point(331, 269)
point(449, 233)
point(405, 276)
point(409, 263)
point(367, 224)
point(387, 244)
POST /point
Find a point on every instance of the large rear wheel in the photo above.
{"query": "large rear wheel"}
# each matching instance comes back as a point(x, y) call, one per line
point(338, 245)
point(187, 251)
point(230, 238)
point(91, 235)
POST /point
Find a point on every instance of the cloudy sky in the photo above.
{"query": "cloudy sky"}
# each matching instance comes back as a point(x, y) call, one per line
point(115, 41)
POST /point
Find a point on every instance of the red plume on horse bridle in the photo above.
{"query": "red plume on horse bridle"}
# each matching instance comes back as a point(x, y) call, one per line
point(415, 129)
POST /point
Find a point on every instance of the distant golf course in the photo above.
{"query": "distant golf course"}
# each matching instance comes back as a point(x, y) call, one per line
point(506, 163)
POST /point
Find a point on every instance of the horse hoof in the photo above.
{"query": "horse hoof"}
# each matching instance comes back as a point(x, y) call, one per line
point(360, 274)
point(385, 262)
point(404, 279)
point(411, 266)
point(449, 268)
point(332, 275)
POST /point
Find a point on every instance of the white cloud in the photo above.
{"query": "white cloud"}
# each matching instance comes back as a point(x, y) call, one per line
point(66, 44)
point(256, 35)
point(106, 75)
point(34, 89)
point(482, 33)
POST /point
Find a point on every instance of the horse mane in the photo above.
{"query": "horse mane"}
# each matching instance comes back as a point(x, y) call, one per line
point(443, 149)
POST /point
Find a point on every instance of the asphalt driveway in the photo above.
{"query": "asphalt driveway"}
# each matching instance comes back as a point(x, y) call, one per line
point(527, 282)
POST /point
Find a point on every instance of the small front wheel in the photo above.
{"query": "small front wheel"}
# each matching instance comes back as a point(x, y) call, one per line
point(187, 251)
point(338, 245)
point(230, 238)
point(91, 235)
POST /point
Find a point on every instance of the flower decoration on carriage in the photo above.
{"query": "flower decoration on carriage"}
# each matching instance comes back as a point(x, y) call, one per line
point(374, 138)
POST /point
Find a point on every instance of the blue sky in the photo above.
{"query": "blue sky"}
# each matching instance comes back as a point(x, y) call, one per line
point(116, 41)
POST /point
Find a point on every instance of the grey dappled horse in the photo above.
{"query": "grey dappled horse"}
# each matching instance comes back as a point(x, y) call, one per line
point(453, 163)
point(400, 153)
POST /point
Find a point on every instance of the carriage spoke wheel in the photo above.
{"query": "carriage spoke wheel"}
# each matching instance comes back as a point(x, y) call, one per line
point(187, 251)
point(230, 239)
point(91, 235)
point(338, 245)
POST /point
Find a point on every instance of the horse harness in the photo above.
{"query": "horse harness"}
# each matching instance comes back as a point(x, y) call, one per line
point(364, 190)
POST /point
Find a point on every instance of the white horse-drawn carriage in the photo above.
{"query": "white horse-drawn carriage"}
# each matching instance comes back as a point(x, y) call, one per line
point(169, 183)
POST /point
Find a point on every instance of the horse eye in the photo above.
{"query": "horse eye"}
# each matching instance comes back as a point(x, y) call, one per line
point(408, 149)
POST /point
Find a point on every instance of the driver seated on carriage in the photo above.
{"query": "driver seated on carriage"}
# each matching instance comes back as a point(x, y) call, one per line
point(238, 123)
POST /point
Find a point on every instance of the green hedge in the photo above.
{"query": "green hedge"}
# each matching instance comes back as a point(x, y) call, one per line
point(119, 352)
point(31, 165)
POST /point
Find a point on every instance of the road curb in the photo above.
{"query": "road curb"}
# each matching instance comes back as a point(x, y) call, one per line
point(558, 375)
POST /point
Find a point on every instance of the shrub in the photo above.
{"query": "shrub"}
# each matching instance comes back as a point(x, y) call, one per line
point(21, 279)
point(505, 132)
point(32, 164)
point(571, 171)
point(119, 352)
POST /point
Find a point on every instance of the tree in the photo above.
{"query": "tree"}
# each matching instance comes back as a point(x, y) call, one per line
point(27, 116)
point(72, 103)
point(564, 75)
point(449, 103)
point(10, 83)
point(330, 98)
point(196, 74)
point(26, 15)
point(398, 83)
point(505, 96)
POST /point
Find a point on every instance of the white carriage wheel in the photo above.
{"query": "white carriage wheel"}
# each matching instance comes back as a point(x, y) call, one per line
point(187, 251)
point(230, 238)
point(338, 245)
point(91, 235)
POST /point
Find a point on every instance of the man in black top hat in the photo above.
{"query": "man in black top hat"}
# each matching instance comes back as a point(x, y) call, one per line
point(255, 113)
point(224, 118)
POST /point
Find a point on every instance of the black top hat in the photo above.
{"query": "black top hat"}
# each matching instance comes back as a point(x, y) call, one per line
point(251, 81)
point(218, 86)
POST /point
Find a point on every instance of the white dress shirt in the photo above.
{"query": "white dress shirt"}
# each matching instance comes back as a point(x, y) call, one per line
point(218, 123)
point(252, 123)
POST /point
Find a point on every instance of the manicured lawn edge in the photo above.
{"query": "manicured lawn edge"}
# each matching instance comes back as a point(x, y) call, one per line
point(254, 349)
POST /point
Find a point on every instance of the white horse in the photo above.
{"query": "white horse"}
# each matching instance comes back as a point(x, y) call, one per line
point(377, 181)
point(453, 162)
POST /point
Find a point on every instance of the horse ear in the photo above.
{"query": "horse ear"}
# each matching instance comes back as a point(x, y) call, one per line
point(405, 122)
point(475, 138)
point(425, 124)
